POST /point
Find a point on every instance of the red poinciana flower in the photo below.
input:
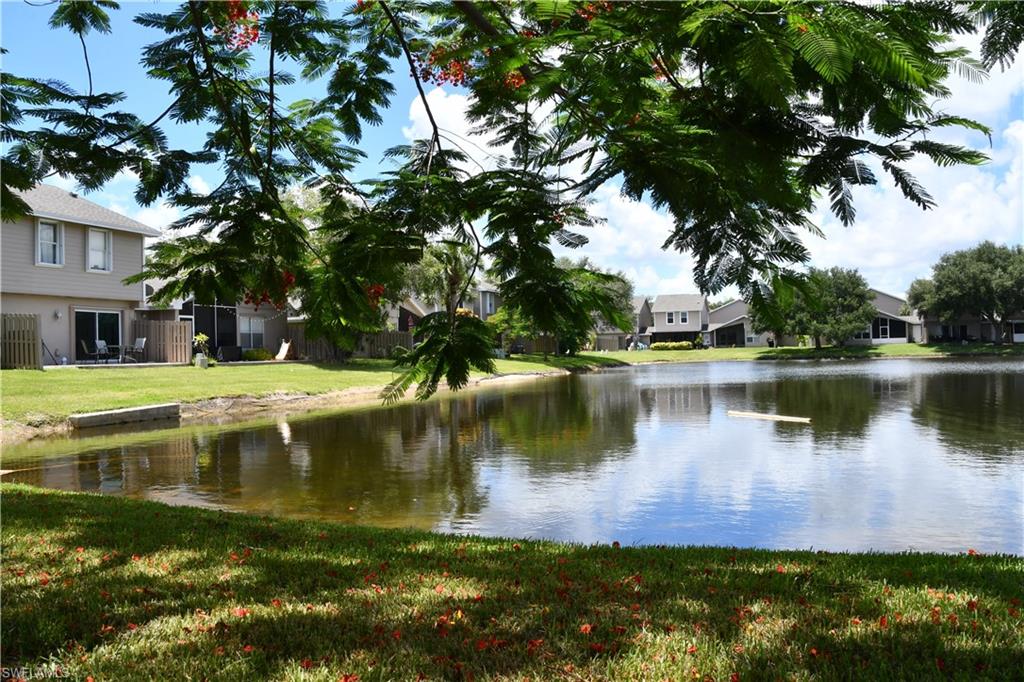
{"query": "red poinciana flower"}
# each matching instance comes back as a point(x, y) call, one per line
point(586, 628)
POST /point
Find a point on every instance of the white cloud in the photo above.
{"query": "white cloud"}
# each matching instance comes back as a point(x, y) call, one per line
point(198, 185)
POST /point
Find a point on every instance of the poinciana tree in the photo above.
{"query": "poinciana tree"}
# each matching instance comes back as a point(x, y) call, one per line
point(732, 117)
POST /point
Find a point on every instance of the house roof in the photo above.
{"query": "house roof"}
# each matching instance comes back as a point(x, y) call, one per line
point(671, 302)
point(638, 303)
point(47, 201)
point(727, 323)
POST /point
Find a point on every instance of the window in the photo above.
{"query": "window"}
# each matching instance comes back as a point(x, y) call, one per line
point(1018, 328)
point(684, 317)
point(488, 302)
point(864, 334)
point(49, 244)
point(100, 250)
point(670, 318)
point(251, 331)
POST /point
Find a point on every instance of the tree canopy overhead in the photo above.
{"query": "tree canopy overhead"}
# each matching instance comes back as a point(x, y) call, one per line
point(732, 116)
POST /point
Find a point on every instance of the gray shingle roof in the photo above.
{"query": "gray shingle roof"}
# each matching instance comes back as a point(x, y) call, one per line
point(638, 303)
point(673, 302)
point(48, 201)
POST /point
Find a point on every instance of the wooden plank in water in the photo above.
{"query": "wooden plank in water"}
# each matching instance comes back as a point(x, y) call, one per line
point(769, 417)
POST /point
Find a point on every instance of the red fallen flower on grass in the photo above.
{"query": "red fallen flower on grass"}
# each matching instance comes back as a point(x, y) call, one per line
point(276, 603)
point(735, 677)
point(883, 622)
point(79, 549)
point(44, 578)
point(972, 605)
point(132, 626)
point(692, 649)
point(248, 648)
point(596, 647)
point(972, 552)
point(534, 644)
point(586, 628)
point(306, 664)
point(780, 569)
point(350, 678)
point(241, 613)
point(814, 653)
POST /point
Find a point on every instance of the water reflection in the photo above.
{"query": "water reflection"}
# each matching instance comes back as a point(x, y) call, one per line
point(925, 455)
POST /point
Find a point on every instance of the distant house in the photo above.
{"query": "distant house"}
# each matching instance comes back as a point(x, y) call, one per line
point(731, 326)
point(66, 262)
point(483, 299)
point(971, 328)
point(678, 317)
point(610, 337)
point(889, 326)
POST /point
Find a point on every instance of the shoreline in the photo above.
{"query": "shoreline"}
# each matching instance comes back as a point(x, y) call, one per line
point(237, 408)
point(225, 410)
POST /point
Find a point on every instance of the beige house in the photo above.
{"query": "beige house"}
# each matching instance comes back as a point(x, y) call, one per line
point(890, 326)
point(731, 326)
point(609, 337)
point(66, 263)
point(678, 317)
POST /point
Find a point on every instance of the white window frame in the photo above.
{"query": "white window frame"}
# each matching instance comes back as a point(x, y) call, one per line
point(670, 318)
point(883, 327)
point(108, 239)
point(98, 312)
point(684, 317)
point(59, 234)
point(245, 329)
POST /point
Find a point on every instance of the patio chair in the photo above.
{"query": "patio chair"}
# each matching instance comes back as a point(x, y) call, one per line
point(103, 350)
point(90, 355)
point(134, 353)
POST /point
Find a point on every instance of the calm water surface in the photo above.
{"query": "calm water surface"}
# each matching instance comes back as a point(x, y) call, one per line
point(925, 455)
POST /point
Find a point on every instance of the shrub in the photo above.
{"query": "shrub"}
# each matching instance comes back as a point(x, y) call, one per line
point(257, 354)
point(672, 345)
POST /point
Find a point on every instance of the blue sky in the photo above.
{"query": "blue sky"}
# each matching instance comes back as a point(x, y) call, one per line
point(892, 243)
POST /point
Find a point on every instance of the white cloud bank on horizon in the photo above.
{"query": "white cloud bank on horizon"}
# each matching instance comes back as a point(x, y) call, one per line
point(892, 242)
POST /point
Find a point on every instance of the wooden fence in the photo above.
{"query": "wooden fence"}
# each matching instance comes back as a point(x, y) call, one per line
point(20, 341)
point(379, 345)
point(165, 341)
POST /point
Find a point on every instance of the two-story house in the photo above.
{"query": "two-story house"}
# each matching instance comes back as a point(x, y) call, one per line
point(678, 317)
point(66, 263)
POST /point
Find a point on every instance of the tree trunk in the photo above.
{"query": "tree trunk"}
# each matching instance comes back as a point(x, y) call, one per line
point(817, 342)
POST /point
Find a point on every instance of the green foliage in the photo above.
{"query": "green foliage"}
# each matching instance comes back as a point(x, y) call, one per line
point(257, 354)
point(833, 304)
point(672, 345)
point(511, 325)
point(986, 281)
point(731, 117)
point(921, 295)
point(201, 342)
point(452, 346)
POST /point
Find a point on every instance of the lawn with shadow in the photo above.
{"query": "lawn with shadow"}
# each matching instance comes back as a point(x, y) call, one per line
point(110, 588)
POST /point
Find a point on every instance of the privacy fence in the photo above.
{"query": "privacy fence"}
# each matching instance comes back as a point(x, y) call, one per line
point(20, 341)
point(165, 341)
point(379, 345)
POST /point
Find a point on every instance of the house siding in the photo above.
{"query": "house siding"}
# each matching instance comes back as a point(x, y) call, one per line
point(59, 332)
point(275, 324)
point(21, 275)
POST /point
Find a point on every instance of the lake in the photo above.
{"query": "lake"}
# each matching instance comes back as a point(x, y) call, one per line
point(900, 455)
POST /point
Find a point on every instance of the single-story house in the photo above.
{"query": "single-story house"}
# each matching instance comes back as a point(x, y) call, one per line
point(731, 326)
point(66, 262)
point(678, 317)
point(889, 326)
point(971, 328)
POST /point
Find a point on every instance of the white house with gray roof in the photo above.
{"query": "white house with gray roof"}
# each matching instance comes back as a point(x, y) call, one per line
point(678, 317)
point(66, 262)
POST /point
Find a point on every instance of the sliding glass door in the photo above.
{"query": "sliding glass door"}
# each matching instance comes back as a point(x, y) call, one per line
point(91, 325)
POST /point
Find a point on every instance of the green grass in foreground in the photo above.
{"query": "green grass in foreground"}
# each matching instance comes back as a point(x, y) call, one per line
point(39, 397)
point(119, 589)
point(829, 352)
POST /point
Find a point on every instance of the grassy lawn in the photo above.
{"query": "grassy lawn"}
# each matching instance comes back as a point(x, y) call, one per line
point(833, 352)
point(120, 589)
point(34, 396)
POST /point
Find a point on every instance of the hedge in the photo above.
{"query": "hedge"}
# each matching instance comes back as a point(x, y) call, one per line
point(672, 345)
